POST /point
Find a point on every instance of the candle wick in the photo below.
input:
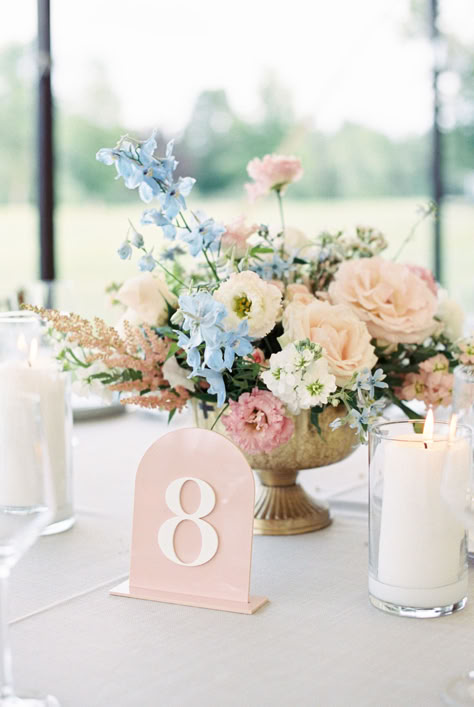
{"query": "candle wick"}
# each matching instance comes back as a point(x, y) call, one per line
point(426, 445)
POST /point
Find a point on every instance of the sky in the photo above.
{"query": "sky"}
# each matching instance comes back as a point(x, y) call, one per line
point(344, 60)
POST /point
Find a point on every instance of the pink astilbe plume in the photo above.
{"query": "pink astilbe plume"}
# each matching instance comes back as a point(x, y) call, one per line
point(140, 350)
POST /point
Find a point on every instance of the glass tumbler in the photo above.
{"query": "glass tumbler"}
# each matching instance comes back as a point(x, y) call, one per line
point(417, 544)
point(28, 366)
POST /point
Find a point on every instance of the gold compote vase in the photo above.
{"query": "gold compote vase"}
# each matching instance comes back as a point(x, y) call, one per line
point(282, 506)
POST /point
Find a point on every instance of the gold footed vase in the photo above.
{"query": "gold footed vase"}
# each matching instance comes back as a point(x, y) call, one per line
point(282, 506)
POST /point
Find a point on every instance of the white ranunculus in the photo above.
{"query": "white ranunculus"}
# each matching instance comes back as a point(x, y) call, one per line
point(451, 315)
point(175, 375)
point(146, 297)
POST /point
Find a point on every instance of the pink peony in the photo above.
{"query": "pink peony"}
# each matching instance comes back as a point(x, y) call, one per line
point(397, 305)
point(272, 172)
point(237, 234)
point(426, 275)
point(433, 384)
point(257, 422)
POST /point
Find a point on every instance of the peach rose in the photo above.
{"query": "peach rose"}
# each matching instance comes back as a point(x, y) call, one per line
point(298, 292)
point(337, 329)
point(396, 304)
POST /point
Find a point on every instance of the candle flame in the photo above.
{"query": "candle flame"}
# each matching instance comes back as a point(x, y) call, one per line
point(428, 427)
point(21, 343)
point(33, 351)
point(452, 427)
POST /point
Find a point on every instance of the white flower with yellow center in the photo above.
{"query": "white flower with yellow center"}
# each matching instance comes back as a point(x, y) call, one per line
point(246, 296)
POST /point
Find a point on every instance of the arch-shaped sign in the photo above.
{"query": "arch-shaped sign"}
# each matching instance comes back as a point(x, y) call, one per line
point(193, 524)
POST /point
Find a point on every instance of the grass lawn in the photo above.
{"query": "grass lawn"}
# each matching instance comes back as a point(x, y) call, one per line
point(88, 235)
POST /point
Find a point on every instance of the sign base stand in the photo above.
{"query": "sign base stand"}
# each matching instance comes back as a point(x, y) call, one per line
point(250, 607)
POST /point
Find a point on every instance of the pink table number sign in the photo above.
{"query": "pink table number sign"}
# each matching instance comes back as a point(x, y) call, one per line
point(193, 524)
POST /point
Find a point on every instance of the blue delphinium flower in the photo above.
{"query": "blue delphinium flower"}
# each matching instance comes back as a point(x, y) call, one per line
point(173, 200)
point(139, 168)
point(125, 251)
point(138, 240)
point(216, 384)
point(202, 317)
point(125, 165)
point(156, 217)
point(171, 253)
point(236, 343)
point(147, 262)
point(205, 233)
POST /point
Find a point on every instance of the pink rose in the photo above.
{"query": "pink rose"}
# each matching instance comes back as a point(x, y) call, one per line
point(272, 172)
point(426, 275)
point(237, 234)
point(257, 422)
point(337, 329)
point(397, 305)
point(433, 384)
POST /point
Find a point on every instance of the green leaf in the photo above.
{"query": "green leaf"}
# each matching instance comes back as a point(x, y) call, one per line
point(172, 350)
point(171, 415)
point(167, 331)
point(314, 417)
point(260, 249)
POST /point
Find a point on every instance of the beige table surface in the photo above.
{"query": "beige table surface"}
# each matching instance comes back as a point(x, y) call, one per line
point(318, 642)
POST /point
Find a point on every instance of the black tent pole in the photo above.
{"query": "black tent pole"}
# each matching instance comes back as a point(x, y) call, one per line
point(45, 161)
point(437, 186)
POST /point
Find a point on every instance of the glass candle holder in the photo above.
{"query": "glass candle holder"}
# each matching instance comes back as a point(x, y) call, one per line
point(417, 542)
point(463, 407)
point(27, 365)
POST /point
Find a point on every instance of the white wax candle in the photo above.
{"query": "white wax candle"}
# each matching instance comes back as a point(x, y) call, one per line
point(421, 539)
point(43, 379)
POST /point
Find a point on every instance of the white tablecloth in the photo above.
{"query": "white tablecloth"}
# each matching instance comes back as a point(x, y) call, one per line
point(318, 643)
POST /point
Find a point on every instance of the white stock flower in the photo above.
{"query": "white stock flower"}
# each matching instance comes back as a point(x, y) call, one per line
point(84, 387)
point(246, 295)
point(175, 375)
point(299, 376)
point(451, 315)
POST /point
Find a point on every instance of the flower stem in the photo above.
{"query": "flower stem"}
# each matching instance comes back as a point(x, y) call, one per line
point(280, 206)
point(211, 265)
point(219, 416)
point(430, 209)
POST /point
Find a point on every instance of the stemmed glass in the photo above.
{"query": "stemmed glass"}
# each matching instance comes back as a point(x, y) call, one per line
point(26, 507)
point(460, 691)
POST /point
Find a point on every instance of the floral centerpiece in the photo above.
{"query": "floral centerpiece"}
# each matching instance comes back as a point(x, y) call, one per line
point(291, 346)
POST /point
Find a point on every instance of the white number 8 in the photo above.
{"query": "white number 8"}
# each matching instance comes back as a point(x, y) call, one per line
point(209, 538)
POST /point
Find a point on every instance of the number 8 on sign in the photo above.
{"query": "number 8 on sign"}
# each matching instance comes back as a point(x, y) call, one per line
point(209, 538)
